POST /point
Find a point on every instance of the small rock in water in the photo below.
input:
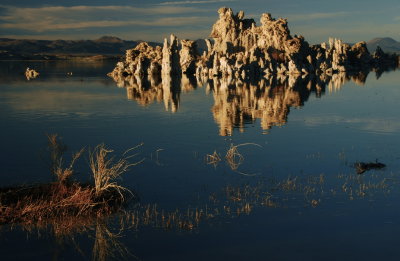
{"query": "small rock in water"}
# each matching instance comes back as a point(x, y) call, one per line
point(31, 73)
point(362, 167)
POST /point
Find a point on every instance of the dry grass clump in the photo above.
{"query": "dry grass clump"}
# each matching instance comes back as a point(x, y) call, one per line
point(57, 149)
point(65, 198)
point(28, 204)
point(106, 170)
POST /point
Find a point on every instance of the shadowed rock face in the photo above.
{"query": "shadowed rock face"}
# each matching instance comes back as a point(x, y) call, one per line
point(243, 50)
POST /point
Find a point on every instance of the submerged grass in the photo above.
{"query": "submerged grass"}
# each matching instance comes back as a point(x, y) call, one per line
point(213, 159)
point(233, 157)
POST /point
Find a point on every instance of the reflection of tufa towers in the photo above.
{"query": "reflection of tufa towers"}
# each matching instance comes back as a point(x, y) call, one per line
point(237, 102)
point(145, 91)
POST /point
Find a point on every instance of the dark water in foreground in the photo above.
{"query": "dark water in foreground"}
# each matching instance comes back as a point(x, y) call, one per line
point(294, 196)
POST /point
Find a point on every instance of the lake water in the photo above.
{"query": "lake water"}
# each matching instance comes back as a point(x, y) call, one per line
point(294, 195)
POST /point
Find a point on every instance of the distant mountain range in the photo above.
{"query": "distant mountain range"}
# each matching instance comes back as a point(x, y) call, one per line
point(31, 49)
point(387, 44)
point(21, 49)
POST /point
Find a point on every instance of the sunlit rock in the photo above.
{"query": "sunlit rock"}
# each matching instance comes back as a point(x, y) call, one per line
point(142, 60)
point(31, 73)
point(170, 57)
point(188, 56)
point(241, 49)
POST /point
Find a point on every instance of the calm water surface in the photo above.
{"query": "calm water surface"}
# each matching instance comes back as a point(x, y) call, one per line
point(294, 196)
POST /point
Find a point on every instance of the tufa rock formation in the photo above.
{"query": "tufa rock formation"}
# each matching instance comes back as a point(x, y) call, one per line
point(241, 49)
point(31, 74)
point(253, 72)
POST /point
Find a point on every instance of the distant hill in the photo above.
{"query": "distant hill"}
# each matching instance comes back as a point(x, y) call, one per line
point(25, 48)
point(387, 44)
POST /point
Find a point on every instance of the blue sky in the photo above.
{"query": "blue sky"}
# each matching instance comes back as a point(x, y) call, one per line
point(152, 20)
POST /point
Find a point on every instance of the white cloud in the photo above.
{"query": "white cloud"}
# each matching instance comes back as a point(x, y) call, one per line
point(49, 24)
point(112, 9)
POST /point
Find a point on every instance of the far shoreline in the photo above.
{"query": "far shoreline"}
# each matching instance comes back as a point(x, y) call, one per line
point(64, 57)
